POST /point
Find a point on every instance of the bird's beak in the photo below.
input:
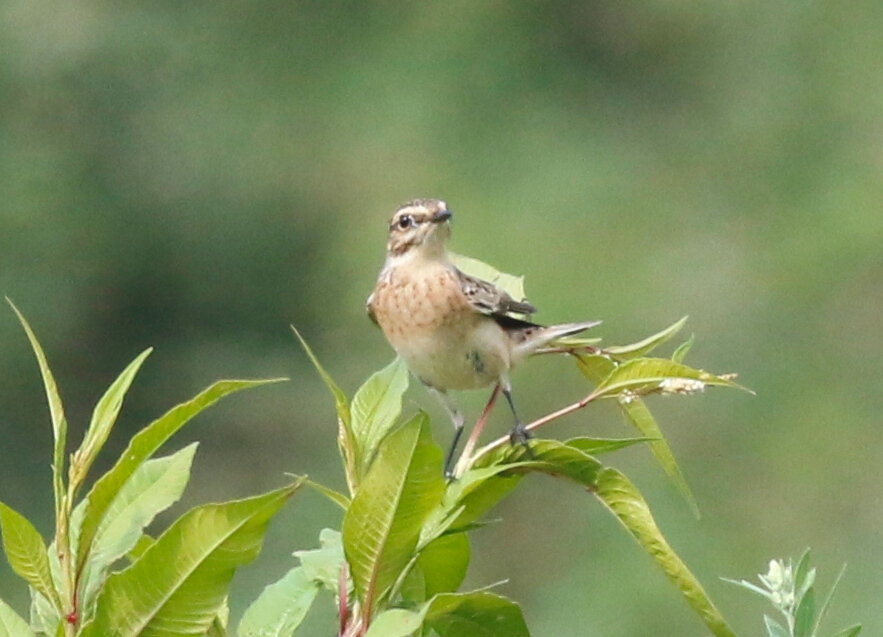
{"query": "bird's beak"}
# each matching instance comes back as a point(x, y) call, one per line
point(441, 216)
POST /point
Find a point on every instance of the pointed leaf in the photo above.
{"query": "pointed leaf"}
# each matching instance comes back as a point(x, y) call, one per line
point(642, 347)
point(827, 603)
point(335, 496)
point(852, 631)
point(683, 349)
point(774, 628)
point(597, 446)
point(346, 440)
point(155, 486)
point(382, 526)
point(143, 445)
point(180, 583)
point(281, 607)
point(661, 375)
point(804, 618)
point(546, 456)
point(625, 501)
point(103, 418)
point(375, 409)
point(11, 624)
point(477, 613)
point(56, 411)
point(26, 552)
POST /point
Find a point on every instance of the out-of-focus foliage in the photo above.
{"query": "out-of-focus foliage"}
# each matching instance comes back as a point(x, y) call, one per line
point(197, 176)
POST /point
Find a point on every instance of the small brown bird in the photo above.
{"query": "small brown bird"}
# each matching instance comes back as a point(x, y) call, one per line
point(454, 331)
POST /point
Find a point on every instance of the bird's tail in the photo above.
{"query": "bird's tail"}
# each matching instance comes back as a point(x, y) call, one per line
point(537, 338)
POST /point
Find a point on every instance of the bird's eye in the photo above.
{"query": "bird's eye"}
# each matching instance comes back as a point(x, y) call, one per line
point(406, 222)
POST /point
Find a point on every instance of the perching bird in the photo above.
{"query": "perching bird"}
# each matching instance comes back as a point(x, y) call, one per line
point(453, 331)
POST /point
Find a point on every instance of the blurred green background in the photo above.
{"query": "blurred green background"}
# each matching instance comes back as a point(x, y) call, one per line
point(197, 176)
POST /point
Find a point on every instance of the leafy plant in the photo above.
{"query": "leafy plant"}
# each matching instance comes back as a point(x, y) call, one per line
point(792, 593)
point(397, 564)
point(175, 585)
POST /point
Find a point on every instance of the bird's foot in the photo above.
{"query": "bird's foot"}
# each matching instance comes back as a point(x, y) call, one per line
point(520, 435)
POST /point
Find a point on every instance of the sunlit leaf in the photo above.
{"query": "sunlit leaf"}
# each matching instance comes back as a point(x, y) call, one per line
point(103, 418)
point(396, 622)
point(375, 409)
point(180, 583)
point(155, 486)
point(382, 526)
point(11, 624)
point(143, 445)
point(56, 411)
point(335, 496)
point(643, 375)
point(281, 607)
point(645, 346)
point(27, 553)
point(626, 502)
point(476, 613)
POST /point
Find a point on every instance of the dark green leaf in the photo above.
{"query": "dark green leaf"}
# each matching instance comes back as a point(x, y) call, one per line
point(375, 409)
point(281, 607)
point(645, 346)
point(180, 583)
point(443, 563)
point(27, 553)
point(103, 418)
point(597, 446)
point(382, 526)
point(626, 502)
point(143, 445)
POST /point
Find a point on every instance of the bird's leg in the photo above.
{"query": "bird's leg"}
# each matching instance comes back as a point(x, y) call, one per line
point(519, 434)
point(457, 420)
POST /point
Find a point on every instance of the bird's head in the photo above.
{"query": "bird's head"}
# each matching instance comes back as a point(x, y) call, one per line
point(420, 226)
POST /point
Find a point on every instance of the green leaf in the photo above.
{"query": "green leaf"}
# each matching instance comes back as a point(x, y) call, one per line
point(477, 491)
point(597, 446)
point(335, 496)
point(804, 575)
point(443, 564)
point(774, 628)
point(375, 409)
point(683, 349)
point(509, 283)
point(27, 553)
point(45, 617)
point(642, 347)
point(143, 445)
point(596, 369)
point(323, 565)
point(852, 631)
point(103, 418)
point(180, 583)
point(476, 613)
point(657, 375)
point(56, 411)
point(382, 526)
point(281, 607)
point(637, 413)
point(155, 486)
point(625, 501)
point(396, 622)
point(11, 624)
point(346, 440)
point(804, 618)
point(545, 456)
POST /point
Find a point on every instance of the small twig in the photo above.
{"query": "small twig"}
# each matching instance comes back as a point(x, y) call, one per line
point(539, 422)
point(465, 456)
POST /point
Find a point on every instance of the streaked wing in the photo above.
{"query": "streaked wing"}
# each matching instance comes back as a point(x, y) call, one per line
point(488, 299)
